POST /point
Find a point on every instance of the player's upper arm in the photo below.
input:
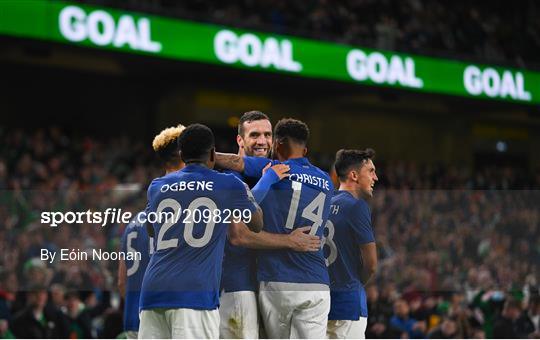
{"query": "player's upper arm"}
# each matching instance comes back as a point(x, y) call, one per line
point(229, 161)
point(363, 233)
point(237, 234)
point(368, 252)
point(243, 199)
point(361, 223)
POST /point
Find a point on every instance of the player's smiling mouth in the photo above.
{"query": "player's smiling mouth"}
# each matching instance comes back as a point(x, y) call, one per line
point(260, 150)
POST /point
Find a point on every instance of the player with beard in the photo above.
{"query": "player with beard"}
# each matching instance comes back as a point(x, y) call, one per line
point(238, 302)
point(294, 292)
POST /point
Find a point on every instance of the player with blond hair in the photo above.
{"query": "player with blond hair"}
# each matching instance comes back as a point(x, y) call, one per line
point(180, 288)
point(135, 237)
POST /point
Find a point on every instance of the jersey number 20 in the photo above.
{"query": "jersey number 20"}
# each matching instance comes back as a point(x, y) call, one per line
point(188, 227)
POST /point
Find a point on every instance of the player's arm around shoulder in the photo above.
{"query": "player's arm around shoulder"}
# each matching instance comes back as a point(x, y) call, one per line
point(256, 224)
point(230, 161)
point(298, 240)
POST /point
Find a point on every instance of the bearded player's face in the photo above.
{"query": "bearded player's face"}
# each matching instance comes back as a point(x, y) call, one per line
point(257, 139)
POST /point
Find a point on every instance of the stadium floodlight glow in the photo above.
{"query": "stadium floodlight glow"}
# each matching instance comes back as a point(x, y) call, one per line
point(116, 30)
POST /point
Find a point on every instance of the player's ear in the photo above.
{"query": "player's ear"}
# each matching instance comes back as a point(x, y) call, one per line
point(212, 158)
point(353, 175)
point(283, 148)
point(240, 141)
point(305, 151)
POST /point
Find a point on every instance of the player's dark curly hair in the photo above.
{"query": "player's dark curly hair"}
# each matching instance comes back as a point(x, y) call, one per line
point(195, 143)
point(348, 159)
point(292, 129)
point(250, 116)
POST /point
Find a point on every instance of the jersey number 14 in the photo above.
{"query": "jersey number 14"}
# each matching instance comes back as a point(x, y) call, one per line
point(313, 211)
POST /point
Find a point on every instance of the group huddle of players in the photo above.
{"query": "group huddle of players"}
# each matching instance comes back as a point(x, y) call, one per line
point(294, 268)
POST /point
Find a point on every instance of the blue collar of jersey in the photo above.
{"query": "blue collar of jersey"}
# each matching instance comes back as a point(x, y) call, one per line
point(345, 192)
point(195, 168)
point(300, 160)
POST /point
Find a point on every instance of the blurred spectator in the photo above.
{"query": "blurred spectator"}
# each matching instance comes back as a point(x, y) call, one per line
point(379, 311)
point(402, 325)
point(512, 323)
point(34, 321)
point(447, 330)
point(534, 315)
point(79, 322)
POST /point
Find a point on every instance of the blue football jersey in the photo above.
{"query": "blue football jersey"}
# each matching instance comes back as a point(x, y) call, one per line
point(348, 227)
point(239, 263)
point(302, 199)
point(135, 240)
point(185, 269)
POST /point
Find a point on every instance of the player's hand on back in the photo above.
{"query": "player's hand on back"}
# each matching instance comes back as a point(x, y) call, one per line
point(280, 169)
point(301, 240)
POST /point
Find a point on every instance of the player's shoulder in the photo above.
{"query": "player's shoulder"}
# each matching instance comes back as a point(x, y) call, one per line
point(344, 199)
point(321, 172)
point(262, 160)
point(361, 207)
point(229, 180)
point(155, 183)
point(234, 173)
point(138, 221)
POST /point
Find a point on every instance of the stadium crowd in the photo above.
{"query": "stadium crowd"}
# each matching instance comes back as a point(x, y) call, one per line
point(458, 257)
point(493, 31)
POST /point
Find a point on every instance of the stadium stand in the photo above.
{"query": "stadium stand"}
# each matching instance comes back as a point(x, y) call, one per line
point(458, 244)
point(459, 258)
point(486, 31)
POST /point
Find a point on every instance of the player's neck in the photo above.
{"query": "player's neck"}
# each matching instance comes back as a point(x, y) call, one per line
point(350, 189)
point(293, 155)
point(170, 169)
point(199, 163)
point(241, 152)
